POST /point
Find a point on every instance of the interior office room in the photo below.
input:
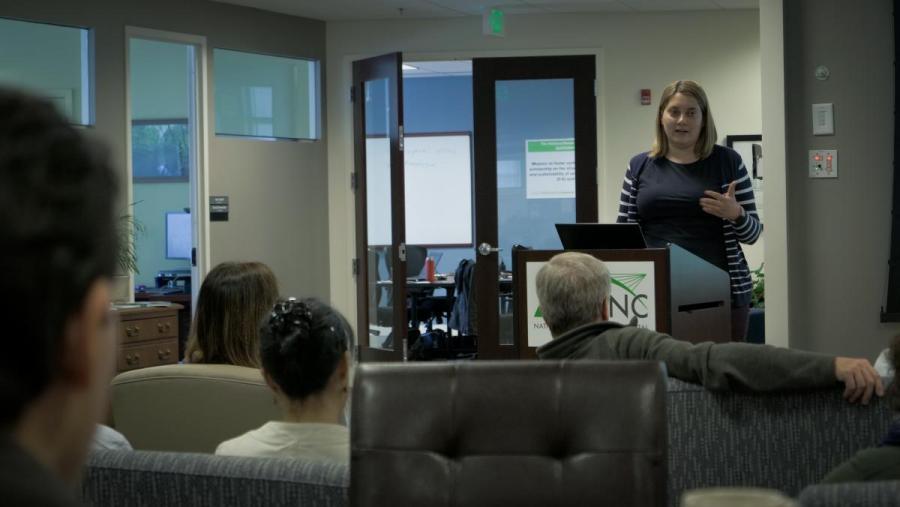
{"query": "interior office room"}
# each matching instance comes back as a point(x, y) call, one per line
point(291, 201)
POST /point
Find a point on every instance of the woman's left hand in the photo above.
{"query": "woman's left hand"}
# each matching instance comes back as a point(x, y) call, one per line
point(722, 205)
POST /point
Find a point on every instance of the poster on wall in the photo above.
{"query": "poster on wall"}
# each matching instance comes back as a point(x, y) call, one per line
point(550, 168)
point(632, 294)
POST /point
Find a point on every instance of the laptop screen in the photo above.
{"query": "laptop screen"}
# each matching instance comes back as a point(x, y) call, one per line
point(601, 236)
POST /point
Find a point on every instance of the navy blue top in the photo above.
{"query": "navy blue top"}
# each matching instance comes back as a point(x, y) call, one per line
point(668, 202)
point(673, 210)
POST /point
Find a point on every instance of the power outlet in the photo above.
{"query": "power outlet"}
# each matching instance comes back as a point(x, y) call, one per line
point(823, 164)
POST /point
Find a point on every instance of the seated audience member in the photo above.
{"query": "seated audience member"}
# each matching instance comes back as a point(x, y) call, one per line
point(573, 290)
point(234, 299)
point(305, 358)
point(108, 439)
point(880, 463)
point(58, 251)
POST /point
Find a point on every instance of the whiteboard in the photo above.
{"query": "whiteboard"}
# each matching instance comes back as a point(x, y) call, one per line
point(438, 187)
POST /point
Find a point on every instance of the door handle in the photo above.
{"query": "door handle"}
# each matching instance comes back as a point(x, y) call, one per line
point(487, 249)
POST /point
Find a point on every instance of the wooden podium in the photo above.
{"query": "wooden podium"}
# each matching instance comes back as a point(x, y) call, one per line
point(669, 289)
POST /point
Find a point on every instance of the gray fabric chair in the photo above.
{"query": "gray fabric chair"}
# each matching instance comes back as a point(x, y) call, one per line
point(785, 441)
point(164, 479)
point(509, 433)
point(852, 494)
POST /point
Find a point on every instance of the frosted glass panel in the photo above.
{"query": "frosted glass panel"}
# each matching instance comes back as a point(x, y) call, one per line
point(51, 61)
point(266, 96)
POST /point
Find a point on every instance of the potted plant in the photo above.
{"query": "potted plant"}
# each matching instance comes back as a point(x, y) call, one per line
point(758, 295)
point(127, 227)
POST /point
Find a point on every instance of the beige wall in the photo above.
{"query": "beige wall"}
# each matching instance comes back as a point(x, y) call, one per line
point(720, 49)
point(839, 229)
point(277, 190)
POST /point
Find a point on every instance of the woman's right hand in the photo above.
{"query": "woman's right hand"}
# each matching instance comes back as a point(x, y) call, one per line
point(722, 205)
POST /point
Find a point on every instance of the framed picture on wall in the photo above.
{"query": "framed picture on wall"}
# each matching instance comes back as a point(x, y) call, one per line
point(160, 150)
point(749, 147)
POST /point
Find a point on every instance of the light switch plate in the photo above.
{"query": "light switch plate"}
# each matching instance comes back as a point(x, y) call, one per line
point(823, 164)
point(823, 119)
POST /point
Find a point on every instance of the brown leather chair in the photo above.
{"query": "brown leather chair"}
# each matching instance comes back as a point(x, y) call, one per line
point(509, 433)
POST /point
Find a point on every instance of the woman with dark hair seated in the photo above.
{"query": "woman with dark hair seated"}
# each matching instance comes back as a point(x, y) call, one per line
point(880, 463)
point(305, 361)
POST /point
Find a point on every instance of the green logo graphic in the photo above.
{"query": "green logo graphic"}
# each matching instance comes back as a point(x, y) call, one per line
point(629, 282)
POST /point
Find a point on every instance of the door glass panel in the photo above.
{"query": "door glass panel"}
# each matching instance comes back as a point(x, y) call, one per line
point(163, 161)
point(535, 173)
point(378, 212)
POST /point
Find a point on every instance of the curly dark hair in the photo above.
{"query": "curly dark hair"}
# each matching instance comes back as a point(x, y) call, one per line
point(301, 345)
point(57, 237)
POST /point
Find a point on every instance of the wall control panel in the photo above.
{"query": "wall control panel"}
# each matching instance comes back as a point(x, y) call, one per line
point(823, 164)
point(823, 119)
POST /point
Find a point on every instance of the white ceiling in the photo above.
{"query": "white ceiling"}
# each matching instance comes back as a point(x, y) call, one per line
point(347, 10)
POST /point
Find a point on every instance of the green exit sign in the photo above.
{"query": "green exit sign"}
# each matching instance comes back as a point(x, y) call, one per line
point(494, 23)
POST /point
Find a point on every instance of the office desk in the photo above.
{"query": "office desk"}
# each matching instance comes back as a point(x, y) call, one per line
point(417, 289)
point(184, 313)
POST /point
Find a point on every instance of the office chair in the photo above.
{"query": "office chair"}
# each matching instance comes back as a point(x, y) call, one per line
point(509, 433)
point(415, 260)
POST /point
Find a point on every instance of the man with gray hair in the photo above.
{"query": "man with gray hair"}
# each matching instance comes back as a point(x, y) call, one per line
point(573, 291)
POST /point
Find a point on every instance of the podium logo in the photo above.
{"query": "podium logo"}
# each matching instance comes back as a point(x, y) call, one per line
point(630, 301)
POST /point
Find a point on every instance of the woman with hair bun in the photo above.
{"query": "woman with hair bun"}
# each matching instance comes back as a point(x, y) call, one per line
point(304, 347)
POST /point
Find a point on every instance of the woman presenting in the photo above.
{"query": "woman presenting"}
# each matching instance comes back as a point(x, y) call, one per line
point(689, 191)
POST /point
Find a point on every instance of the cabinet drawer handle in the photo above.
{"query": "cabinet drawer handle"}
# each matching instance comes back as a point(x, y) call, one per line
point(163, 327)
point(132, 331)
point(164, 354)
point(133, 359)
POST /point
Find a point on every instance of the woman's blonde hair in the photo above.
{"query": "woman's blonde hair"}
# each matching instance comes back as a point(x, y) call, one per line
point(234, 299)
point(707, 139)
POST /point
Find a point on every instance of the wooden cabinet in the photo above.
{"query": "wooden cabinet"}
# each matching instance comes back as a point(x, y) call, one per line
point(184, 315)
point(148, 336)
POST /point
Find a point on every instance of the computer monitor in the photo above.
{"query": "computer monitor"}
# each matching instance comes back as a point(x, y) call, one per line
point(179, 240)
point(600, 236)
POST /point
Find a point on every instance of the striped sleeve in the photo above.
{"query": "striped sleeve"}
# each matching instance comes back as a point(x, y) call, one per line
point(748, 227)
point(627, 199)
